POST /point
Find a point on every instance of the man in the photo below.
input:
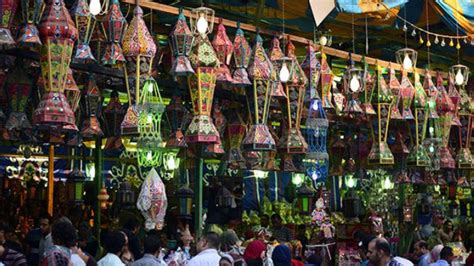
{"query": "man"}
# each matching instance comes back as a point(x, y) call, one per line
point(152, 252)
point(64, 236)
point(5, 230)
point(11, 257)
point(207, 251)
point(264, 221)
point(46, 241)
point(131, 228)
point(422, 251)
point(114, 245)
point(379, 254)
point(280, 232)
point(445, 257)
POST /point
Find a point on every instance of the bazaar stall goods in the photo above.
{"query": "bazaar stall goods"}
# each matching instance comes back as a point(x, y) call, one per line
point(114, 25)
point(85, 23)
point(152, 201)
point(181, 41)
point(224, 49)
point(7, 13)
point(31, 12)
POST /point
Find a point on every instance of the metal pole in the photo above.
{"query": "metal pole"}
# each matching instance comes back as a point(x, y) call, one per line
point(198, 196)
point(98, 184)
point(51, 179)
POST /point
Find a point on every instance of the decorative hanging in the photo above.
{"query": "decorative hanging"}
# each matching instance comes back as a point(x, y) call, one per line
point(31, 11)
point(114, 25)
point(113, 115)
point(380, 153)
point(85, 23)
point(178, 117)
point(233, 157)
point(224, 49)
point(216, 149)
point(418, 155)
point(407, 92)
point(460, 74)
point(242, 52)
point(445, 108)
point(276, 54)
point(152, 201)
point(433, 134)
point(453, 93)
point(258, 137)
point(92, 108)
point(312, 70)
point(326, 82)
point(394, 86)
point(58, 35)
point(7, 13)
point(72, 92)
point(464, 158)
point(368, 86)
point(353, 81)
point(181, 41)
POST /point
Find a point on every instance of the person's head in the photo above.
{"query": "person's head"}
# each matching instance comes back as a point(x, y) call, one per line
point(115, 242)
point(255, 250)
point(378, 250)
point(226, 260)
point(45, 224)
point(229, 239)
point(447, 254)
point(315, 260)
point(132, 224)
point(264, 220)
point(64, 233)
point(3, 231)
point(210, 240)
point(421, 248)
point(152, 245)
point(434, 255)
point(364, 245)
point(448, 225)
point(281, 256)
point(276, 220)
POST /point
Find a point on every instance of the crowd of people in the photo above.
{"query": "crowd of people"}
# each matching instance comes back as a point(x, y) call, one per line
point(63, 243)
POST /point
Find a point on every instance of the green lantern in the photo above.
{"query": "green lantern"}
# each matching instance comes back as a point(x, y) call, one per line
point(150, 109)
point(304, 201)
point(185, 202)
point(75, 185)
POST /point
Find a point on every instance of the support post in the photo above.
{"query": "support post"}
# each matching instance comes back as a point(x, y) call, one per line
point(51, 179)
point(98, 185)
point(198, 196)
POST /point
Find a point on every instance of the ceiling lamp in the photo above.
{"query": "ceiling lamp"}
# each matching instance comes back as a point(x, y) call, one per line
point(114, 24)
point(30, 15)
point(323, 38)
point(181, 41)
point(85, 23)
point(407, 58)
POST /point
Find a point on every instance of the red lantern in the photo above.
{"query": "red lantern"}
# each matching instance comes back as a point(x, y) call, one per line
point(224, 48)
point(394, 86)
point(242, 53)
point(446, 110)
point(276, 54)
point(72, 92)
point(85, 24)
point(178, 117)
point(181, 42)
point(31, 11)
point(114, 25)
point(92, 103)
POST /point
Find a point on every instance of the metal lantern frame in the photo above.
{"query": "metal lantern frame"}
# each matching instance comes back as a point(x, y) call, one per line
point(304, 199)
point(178, 116)
point(446, 109)
point(181, 43)
point(185, 197)
point(233, 157)
point(72, 91)
point(31, 12)
point(404, 53)
point(171, 160)
point(462, 70)
point(114, 25)
point(432, 140)
point(317, 158)
point(206, 13)
point(242, 53)
point(75, 185)
point(126, 197)
point(113, 115)
point(275, 54)
point(92, 108)
point(85, 23)
point(394, 86)
point(224, 49)
point(356, 75)
point(326, 80)
point(407, 93)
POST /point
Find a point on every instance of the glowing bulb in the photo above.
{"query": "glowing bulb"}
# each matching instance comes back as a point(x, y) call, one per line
point(355, 84)
point(323, 40)
point(443, 43)
point(315, 106)
point(459, 78)
point(314, 176)
point(284, 73)
point(202, 24)
point(171, 163)
point(95, 7)
point(298, 179)
point(451, 43)
point(407, 63)
point(431, 149)
point(149, 87)
point(387, 184)
point(431, 130)
point(149, 156)
point(350, 183)
point(436, 41)
point(149, 119)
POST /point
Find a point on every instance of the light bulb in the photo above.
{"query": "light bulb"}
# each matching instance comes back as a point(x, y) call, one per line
point(323, 40)
point(95, 7)
point(459, 78)
point(413, 33)
point(315, 106)
point(350, 182)
point(387, 184)
point(431, 130)
point(405, 27)
point(298, 179)
point(407, 63)
point(284, 73)
point(355, 84)
point(149, 156)
point(149, 87)
point(149, 119)
point(436, 41)
point(202, 24)
point(431, 149)
point(314, 176)
point(443, 43)
point(171, 163)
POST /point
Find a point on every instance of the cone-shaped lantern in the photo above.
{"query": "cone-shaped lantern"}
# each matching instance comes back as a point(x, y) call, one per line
point(58, 35)
point(432, 93)
point(455, 98)
point(312, 70)
point(216, 149)
point(418, 155)
point(114, 25)
point(31, 11)
point(85, 24)
point(92, 108)
point(235, 130)
point(432, 140)
point(242, 53)
point(394, 86)
point(275, 55)
point(464, 158)
point(258, 137)
point(18, 90)
point(181, 41)
point(369, 83)
point(326, 82)
point(445, 108)
point(224, 49)
point(380, 153)
point(7, 13)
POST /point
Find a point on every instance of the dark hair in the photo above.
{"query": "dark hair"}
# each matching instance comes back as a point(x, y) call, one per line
point(64, 234)
point(366, 241)
point(446, 253)
point(131, 224)
point(114, 242)
point(152, 244)
point(422, 244)
point(276, 216)
point(212, 239)
point(383, 245)
point(315, 259)
point(45, 216)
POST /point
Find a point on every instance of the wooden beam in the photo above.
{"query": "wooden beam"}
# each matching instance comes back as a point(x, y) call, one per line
point(248, 27)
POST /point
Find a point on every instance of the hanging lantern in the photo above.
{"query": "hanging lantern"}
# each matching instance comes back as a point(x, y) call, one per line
point(178, 117)
point(72, 92)
point(394, 86)
point(103, 198)
point(85, 23)
point(181, 41)
point(224, 49)
point(464, 159)
point(216, 149)
point(31, 11)
point(126, 196)
point(353, 82)
point(407, 92)
point(432, 93)
point(185, 197)
point(352, 205)
point(418, 155)
point(432, 140)
point(312, 70)
point(380, 153)
point(224, 198)
point(152, 201)
point(258, 137)
point(7, 13)
point(242, 53)
point(151, 108)
point(75, 185)
point(304, 200)
point(233, 157)
point(201, 87)
point(407, 212)
point(202, 21)
point(460, 74)
point(92, 105)
point(113, 115)
point(326, 82)
point(445, 108)
point(18, 89)
point(58, 34)
point(114, 25)
point(276, 54)
point(171, 160)
point(407, 57)
point(453, 93)
point(368, 86)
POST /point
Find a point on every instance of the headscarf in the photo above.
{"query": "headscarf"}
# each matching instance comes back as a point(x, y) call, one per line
point(281, 256)
point(434, 255)
point(254, 250)
point(228, 258)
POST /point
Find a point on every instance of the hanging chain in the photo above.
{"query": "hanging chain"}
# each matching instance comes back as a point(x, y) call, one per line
point(283, 25)
point(366, 37)
point(353, 34)
point(427, 35)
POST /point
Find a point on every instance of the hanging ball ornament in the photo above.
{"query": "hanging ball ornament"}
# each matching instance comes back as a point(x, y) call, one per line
point(443, 43)
point(436, 41)
point(428, 42)
point(458, 45)
point(413, 33)
point(451, 43)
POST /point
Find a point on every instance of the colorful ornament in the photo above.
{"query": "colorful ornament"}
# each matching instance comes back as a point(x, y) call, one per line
point(326, 82)
point(445, 108)
point(7, 13)
point(113, 115)
point(224, 48)
point(85, 23)
point(275, 55)
point(233, 157)
point(152, 201)
point(114, 25)
point(242, 54)
point(394, 86)
point(92, 106)
point(406, 93)
point(72, 92)
point(31, 11)
point(18, 88)
point(181, 41)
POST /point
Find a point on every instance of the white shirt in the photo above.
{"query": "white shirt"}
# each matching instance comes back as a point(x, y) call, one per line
point(110, 260)
point(77, 261)
point(403, 261)
point(208, 257)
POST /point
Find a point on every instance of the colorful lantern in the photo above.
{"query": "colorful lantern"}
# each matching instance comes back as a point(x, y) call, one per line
point(258, 137)
point(464, 159)
point(85, 23)
point(58, 34)
point(150, 108)
point(7, 13)
point(394, 86)
point(312, 70)
point(113, 115)
point(114, 25)
point(367, 106)
point(75, 185)
point(242, 53)
point(224, 49)
point(152, 201)
point(31, 11)
point(304, 200)
point(126, 196)
point(216, 149)
point(460, 73)
point(233, 157)
point(276, 54)
point(407, 212)
point(185, 197)
point(353, 81)
point(92, 104)
point(433, 135)
point(406, 57)
point(407, 92)
point(326, 82)
point(18, 89)
point(181, 41)
point(453, 93)
point(72, 92)
point(380, 153)
point(445, 108)
point(419, 155)
point(178, 116)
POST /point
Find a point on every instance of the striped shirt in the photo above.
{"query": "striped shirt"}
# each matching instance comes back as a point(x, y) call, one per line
point(11, 257)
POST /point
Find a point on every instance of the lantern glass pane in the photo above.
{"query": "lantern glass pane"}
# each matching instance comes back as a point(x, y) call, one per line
point(79, 187)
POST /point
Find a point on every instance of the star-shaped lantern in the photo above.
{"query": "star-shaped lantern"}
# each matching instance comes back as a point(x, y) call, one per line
point(114, 25)
point(31, 11)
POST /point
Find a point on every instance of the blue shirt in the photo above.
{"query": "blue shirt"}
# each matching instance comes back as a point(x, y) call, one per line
point(440, 262)
point(424, 260)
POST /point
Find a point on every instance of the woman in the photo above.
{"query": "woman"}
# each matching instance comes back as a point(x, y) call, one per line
point(281, 256)
point(446, 233)
point(230, 245)
point(255, 253)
